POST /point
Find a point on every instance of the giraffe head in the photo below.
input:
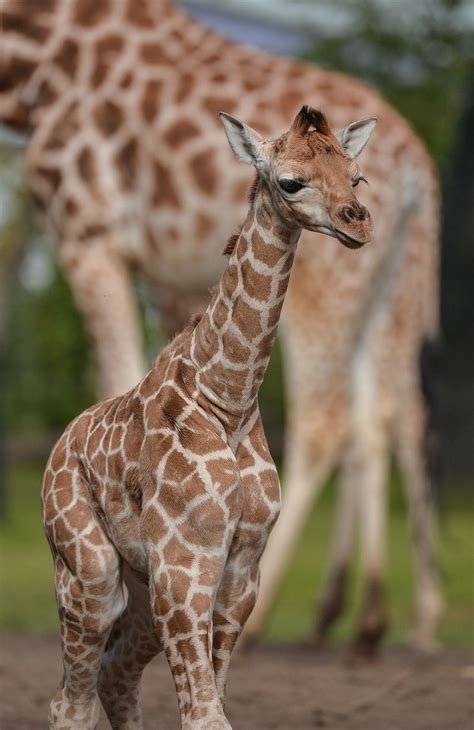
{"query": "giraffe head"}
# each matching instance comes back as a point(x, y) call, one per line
point(311, 173)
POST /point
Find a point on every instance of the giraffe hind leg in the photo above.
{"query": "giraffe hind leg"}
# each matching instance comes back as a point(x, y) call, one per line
point(368, 462)
point(333, 600)
point(411, 437)
point(98, 275)
point(132, 644)
point(89, 596)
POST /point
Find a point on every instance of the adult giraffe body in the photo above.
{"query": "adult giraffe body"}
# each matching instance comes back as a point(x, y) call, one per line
point(120, 99)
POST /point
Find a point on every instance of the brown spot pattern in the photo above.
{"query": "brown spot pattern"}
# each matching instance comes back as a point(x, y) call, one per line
point(150, 104)
point(127, 163)
point(179, 132)
point(164, 191)
point(91, 12)
point(204, 172)
point(106, 51)
point(86, 165)
point(108, 117)
point(67, 57)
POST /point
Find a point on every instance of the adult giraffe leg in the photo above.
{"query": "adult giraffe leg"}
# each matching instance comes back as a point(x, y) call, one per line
point(132, 644)
point(333, 595)
point(369, 463)
point(411, 450)
point(103, 293)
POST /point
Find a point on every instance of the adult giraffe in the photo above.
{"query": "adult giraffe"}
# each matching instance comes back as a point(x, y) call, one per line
point(119, 98)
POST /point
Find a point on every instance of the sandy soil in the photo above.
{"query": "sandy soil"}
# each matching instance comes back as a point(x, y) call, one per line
point(272, 687)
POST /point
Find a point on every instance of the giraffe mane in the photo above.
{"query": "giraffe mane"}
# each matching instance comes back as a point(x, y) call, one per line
point(232, 242)
point(253, 190)
point(194, 320)
point(176, 340)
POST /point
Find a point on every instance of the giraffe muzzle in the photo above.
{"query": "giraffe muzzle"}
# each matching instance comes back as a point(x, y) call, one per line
point(354, 225)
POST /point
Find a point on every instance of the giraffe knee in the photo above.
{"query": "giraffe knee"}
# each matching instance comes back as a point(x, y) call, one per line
point(93, 598)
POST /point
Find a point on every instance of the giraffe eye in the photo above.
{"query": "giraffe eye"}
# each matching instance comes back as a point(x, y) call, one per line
point(357, 180)
point(289, 185)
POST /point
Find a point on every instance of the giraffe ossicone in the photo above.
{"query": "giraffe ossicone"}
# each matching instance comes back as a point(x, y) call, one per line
point(170, 488)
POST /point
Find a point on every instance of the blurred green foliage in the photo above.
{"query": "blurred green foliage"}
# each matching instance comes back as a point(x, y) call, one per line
point(417, 54)
point(49, 374)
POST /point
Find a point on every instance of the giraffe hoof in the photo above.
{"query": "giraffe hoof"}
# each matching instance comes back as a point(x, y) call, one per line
point(218, 723)
point(319, 642)
point(425, 642)
point(367, 643)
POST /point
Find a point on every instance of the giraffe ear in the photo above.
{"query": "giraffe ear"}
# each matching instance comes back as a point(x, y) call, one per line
point(355, 136)
point(245, 142)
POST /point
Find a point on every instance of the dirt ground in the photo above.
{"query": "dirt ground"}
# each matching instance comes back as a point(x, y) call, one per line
point(272, 687)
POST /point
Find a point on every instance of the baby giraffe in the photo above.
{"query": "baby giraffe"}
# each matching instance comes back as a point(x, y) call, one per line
point(158, 504)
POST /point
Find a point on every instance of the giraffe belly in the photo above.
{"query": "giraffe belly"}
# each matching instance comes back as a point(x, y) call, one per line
point(125, 535)
point(181, 265)
point(120, 515)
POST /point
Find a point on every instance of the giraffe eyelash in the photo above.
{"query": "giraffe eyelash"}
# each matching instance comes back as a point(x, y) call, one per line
point(356, 175)
point(358, 179)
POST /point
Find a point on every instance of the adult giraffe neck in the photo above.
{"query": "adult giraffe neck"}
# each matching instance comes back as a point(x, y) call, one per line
point(232, 344)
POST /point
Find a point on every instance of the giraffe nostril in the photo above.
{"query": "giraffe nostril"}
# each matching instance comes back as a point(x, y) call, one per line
point(354, 212)
point(348, 214)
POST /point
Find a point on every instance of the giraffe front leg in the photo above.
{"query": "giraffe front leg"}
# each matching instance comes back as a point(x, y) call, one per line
point(188, 522)
point(235, 601)
point(184, 587)
point(305, 473)
point(103, 293)
point(260, 492)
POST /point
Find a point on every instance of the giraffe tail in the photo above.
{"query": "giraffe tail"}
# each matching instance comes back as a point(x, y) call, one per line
point(429, 363)
point(431, 345)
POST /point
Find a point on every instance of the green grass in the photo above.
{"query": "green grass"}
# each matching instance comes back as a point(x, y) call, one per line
point(26, 581)
point(26, 576)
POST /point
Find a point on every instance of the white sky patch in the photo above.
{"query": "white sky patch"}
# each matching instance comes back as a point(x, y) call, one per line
point(37, 268)
point(8, 202)
point(324, 17)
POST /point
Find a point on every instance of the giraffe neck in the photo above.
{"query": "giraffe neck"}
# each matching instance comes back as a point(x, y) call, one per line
point(232, 343)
